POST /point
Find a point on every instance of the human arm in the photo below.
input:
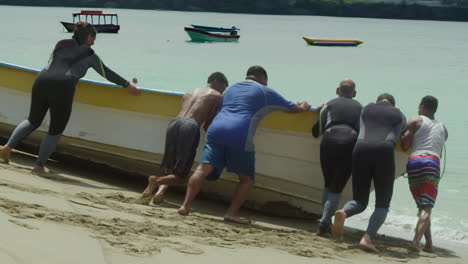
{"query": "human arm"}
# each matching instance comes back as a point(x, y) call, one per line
point(408, 134)
point(111, 76)
point(319, 125)
point(213, 112)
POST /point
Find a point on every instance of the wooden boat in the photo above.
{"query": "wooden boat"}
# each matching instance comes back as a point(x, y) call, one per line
point(332, 42)
point(98, 19)
point(112, 127)
point(199, 35)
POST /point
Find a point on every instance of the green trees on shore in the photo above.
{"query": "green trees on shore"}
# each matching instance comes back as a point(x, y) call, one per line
point(455, 10)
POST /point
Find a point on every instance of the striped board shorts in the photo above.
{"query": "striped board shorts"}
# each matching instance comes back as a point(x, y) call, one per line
point(423, 179)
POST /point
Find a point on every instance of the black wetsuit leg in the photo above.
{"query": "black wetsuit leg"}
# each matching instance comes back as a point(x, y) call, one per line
point(335, 158)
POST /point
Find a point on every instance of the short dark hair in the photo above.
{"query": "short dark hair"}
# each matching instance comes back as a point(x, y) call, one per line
point(257, 71)
point(219, 76)
point(82, 31)
point(386, 97)
point(430, 103)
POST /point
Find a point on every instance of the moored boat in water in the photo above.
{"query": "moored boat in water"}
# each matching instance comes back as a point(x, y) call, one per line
point(109, 127)
point(332, 42)
point(212, 34)
point(98, 19)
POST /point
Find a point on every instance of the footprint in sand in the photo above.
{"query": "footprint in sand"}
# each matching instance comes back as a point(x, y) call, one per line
point(18, 223)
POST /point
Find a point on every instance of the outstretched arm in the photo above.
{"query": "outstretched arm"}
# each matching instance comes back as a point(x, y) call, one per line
point(408, 134)
point(111, 76)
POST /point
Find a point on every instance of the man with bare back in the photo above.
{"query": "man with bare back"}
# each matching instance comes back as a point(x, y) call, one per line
point(199, 107)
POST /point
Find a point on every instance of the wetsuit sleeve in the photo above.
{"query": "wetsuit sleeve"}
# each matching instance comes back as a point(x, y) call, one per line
point(107, 73)
point(273, 98)
point(319, 126)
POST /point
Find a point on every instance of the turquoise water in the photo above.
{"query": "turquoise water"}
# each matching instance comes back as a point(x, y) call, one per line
point(408, 59)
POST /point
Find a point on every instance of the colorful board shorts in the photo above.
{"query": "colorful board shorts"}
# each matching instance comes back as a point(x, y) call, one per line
point(423, 179)
point(236, 161)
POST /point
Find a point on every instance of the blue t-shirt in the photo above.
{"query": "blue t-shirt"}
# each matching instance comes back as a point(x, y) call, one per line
point(244, 106)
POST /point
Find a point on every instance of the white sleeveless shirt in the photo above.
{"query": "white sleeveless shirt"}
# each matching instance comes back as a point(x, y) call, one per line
point(429, 139)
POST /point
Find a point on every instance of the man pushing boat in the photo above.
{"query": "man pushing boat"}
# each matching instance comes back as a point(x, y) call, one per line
point(230, 138)
point(199, 107)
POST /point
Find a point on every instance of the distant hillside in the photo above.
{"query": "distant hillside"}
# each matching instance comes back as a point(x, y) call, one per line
point(451, 10)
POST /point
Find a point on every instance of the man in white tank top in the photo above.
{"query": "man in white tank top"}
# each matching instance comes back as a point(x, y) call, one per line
point(426, 137)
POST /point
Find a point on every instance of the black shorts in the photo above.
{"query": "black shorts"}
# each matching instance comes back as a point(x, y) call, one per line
point(182, 138)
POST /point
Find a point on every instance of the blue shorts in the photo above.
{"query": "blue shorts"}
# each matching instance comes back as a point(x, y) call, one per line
point(236, 161)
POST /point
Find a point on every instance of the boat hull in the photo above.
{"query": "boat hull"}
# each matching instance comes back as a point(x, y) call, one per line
point(288, 175)
point(332, 42)
point(109, 28)
point(203, 36)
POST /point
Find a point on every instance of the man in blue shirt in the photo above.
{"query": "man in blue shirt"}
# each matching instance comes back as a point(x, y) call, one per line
point(230, 137)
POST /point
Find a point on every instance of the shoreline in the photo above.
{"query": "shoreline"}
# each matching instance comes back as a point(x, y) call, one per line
point(104, 223)
point(413, 11)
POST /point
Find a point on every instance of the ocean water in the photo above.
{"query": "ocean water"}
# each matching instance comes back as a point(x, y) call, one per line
point(408, 59)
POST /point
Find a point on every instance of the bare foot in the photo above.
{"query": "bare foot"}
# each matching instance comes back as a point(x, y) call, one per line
point(158, 198)
point(148, 192)
point(367, 245)
point(414, 247)
point(183, 211)
point(338, 224)
point(428, 249)
point(40, 170)
point(238, 220)
point(5, 154)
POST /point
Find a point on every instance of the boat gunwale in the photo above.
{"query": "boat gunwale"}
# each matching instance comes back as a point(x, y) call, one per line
point(5, 64)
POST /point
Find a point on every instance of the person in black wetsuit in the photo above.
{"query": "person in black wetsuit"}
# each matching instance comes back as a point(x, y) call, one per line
point(54, 88)
point(338, 122)
point(373, 160)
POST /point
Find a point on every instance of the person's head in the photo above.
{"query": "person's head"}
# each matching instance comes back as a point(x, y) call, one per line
point(386, 98)
point(218, 81)
point(84, 33)
point(428, 106)
point(346, 89)
point(258, 74)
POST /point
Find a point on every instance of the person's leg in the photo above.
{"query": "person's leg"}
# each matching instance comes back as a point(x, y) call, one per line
point(428, 236)
point(158, 198)
point(361, 187)
point(422, 227)
point(340, 172)
point(194, 186)
point(327, 163)
point(243, 189)
point(60, 100)
point(37, 111)
point(384, 177)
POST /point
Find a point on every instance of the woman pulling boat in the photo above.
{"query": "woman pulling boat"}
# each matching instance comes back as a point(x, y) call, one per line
point(54, 89)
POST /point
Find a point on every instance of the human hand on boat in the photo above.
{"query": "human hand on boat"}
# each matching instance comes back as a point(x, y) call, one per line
point(319, 107)
point(133, 89)
point(304, 105)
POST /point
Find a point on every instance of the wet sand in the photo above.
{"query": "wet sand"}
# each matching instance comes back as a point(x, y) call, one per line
point(77, 216)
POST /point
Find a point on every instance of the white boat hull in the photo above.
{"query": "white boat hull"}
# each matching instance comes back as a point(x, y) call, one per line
point(121, 132)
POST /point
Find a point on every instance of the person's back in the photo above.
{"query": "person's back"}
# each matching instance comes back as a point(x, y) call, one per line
point(244, 106)
point(339, 120)
point(199, 104)
point(381, 123)
point(429, 139)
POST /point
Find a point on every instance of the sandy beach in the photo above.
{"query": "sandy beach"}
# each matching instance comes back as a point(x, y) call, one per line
point(77, 216)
